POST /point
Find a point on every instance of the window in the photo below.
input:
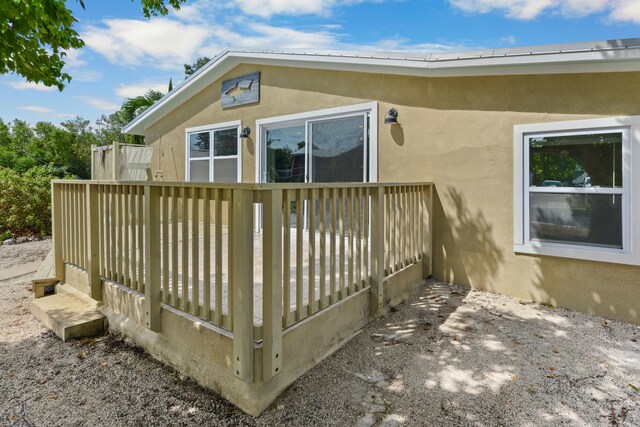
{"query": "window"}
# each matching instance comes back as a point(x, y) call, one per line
point(573, 193)
point(331, 145)
point(214, 153)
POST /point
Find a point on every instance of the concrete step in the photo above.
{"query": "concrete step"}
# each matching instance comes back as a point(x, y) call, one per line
point(68, 316)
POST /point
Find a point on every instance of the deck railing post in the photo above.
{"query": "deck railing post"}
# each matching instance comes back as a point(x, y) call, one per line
point(377, 249)
point(93, 243)
point(242, 282)
point(272, 279)
point(152, 285)
point(56, 229)
point(115, 150)
point(427, 220)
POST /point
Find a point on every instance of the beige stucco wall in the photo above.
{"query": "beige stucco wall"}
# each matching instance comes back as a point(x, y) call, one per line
point(457, 133)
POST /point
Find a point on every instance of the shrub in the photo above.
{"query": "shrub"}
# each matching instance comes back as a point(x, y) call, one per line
point(25, 201)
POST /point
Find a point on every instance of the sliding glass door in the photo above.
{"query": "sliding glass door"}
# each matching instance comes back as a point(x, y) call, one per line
point(324, 149)
point(338, 151)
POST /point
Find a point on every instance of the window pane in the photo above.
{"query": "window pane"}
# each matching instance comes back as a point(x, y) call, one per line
point(593, 160)
point(225, 170)
point(591, 219)
point(199, 144)
point(338, 150)
point(285, 154)
point(199, 171)
point(225, 142)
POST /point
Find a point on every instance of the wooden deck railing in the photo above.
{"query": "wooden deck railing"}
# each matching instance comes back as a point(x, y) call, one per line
point(194, 246)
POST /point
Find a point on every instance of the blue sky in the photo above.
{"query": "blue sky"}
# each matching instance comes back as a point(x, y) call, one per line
point(126, 54)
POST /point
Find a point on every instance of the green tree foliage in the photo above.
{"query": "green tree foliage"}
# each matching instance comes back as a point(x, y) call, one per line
point(65, 148)
point(30, 156)
point(109, 129)
point(25, 201)
point(192, 68)
point(35, 34)
point(133, 107)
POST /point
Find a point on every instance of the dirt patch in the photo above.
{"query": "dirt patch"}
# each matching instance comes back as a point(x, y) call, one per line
point(448, 357)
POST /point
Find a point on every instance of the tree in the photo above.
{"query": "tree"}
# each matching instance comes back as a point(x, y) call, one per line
point(35, 35)
point(133, 107)
point(192, 68)
point(110, 129)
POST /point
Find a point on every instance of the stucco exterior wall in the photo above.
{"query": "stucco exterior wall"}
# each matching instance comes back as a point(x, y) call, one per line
point(458, 133)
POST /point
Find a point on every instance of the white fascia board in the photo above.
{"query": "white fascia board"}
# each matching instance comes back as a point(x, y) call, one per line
point(539, 63)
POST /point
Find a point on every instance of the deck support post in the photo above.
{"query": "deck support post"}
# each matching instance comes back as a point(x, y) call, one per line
point(56, 229)
point(93, 244)
point(377, 250)
point(242, 282)
point(152, 285)
point(272, 279)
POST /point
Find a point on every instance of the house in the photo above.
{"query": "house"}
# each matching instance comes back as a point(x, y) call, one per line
point(299, 194)
point(466, 122)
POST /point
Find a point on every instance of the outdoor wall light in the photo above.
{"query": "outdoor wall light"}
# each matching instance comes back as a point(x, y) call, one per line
point(391, 118)
point(245, 133)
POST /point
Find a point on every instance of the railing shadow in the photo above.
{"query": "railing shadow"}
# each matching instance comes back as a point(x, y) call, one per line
point(465, 251)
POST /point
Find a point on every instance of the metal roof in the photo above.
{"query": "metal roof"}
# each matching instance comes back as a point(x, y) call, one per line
point(584, 57)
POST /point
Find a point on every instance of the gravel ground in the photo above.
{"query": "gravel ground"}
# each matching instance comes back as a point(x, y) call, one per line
point(447, 357)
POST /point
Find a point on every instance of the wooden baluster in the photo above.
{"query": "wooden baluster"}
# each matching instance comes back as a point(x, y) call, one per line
point(311, 282)
point(286, 258)
point(206, 254)
point(323, 249)
point(299, 253)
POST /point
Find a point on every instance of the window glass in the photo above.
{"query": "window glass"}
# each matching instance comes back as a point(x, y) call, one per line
point(338, 150)
point(199, 170)
point(225, 170)
point(225, 142)
point(286, 154)
point(591, 219)
point(588, 160)
point(199, 144)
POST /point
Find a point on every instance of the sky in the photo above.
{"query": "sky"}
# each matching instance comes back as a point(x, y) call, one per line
point(127, 54)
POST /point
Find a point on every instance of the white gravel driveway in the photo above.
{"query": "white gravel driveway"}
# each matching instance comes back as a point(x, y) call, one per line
point(447, 357)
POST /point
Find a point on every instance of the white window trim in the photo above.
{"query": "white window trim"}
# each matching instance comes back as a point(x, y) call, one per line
point(212, 128)
point(630, 253)
point(262, 125)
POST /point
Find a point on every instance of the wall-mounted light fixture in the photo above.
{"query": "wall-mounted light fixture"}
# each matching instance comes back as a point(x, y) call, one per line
point(245, 133)
point(391, 118)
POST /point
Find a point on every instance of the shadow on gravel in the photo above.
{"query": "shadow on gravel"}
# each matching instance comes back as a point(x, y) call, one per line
point(450, 356)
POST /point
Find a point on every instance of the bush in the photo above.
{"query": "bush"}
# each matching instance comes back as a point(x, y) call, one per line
point(25, 201)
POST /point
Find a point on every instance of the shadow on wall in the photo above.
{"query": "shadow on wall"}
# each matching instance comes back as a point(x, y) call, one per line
point(608, 290)
point(464, 251)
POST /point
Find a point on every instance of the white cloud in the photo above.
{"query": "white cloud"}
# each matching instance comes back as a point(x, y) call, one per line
point(164, 43)
point(626, 10)
point(98, 103)
point(72, 59)
point(205, 27)
point(617, 10)
point(267, 8)
point(36, 109)
point(140, 88)
point(22, 85)
point(86, 75)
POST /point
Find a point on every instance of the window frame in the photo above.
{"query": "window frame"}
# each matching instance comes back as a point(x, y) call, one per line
point(236, 124)
point(629, 126)
point(307, 119)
